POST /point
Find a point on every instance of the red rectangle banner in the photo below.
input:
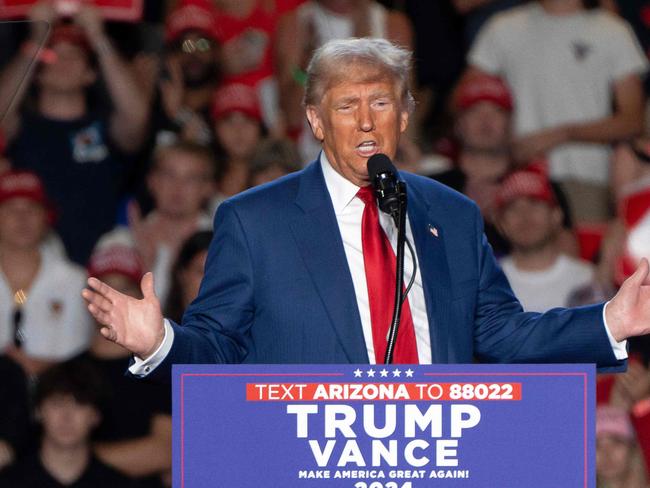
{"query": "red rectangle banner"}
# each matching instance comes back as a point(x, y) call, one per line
point(298, 392)
point(120, 10)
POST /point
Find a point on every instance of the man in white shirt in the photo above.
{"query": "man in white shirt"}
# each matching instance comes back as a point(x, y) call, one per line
point(42, 317)
point(288, 270)
point(530, 218)
point(567, 67)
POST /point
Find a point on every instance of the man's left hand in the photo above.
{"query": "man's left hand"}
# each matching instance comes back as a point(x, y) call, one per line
point(628, 313)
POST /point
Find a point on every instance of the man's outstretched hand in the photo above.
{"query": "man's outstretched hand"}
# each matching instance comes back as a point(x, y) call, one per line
point(136, 325)
point(628, 313)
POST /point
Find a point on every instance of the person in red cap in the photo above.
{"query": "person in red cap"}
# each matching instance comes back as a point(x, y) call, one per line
point(482, 108)
point(528, 215)
point(135, 436)
point(42, 320)
point(73, 144)
point(192, 69)
point(238, 130)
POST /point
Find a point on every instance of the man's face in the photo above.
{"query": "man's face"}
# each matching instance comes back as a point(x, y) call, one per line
point(23, 223)
point(529, 224)
point(238, 134)
point(69, 72)
point(356, 120)
point(180, 184)
point(483, 127)
point(66, 422)
point(199, 59)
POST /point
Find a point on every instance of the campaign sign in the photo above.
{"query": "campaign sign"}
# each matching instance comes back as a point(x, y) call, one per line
point(376, 426)
point(121, 10)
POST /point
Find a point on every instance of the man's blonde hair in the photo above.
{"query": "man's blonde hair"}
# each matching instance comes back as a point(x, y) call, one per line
point(331, 64)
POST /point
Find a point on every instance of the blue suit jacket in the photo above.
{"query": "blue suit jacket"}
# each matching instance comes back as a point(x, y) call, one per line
point(277, 288)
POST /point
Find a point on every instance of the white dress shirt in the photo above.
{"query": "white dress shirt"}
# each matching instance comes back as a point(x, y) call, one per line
point(349, 211)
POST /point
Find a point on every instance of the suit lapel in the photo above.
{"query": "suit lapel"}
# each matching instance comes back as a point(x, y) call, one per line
point(430, 247)
point(317, 235)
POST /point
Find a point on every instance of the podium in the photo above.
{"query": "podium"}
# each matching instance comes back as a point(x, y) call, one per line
point(376, 426)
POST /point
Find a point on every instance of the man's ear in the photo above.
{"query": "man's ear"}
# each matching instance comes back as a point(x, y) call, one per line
point(315, 122)
point(404, 121)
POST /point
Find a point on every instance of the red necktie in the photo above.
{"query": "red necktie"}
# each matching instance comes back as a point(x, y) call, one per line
point(380, 263)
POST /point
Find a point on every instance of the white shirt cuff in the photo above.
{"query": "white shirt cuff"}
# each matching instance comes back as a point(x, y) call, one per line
point(142, 367)
point(619, 348)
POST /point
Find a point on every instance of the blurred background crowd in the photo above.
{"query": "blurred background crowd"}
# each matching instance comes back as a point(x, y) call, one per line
point(119, 140)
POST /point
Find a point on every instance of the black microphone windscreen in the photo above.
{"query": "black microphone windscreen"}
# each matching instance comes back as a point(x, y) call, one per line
point(378, 164)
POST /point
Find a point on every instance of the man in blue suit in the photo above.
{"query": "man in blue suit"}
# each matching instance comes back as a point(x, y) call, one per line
point(286, 279)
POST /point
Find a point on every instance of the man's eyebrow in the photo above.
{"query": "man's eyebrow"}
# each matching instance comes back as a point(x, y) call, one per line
point(346, 100)
point(381, 94)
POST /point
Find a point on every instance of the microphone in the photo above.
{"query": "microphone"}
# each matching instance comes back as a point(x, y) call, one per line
point(391, 198)
point(389, 191)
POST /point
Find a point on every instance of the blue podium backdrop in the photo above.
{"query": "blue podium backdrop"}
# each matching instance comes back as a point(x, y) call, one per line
point(375, 426)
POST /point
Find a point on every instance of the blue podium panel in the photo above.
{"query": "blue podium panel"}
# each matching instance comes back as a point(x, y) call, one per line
point(375, 426)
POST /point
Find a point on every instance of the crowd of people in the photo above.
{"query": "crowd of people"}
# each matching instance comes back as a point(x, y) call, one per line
point(118, 142)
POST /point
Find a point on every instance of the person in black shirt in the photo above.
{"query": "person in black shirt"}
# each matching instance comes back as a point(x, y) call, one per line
point(72, 144)
point(68, 408)
point(482, 109)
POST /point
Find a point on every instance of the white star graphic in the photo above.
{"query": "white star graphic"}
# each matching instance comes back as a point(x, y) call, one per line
point(358, 373)
point(396, 373)
point(409, 373)
point(383, 373)
point(371, 373)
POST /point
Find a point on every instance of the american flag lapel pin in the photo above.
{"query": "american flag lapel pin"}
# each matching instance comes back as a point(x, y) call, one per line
point(433, 230)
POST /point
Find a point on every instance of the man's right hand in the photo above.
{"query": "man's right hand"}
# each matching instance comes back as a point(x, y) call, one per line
point(136, 325)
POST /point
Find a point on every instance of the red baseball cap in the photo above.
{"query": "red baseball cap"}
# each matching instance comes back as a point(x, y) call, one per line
point(199, 15)
point(479, 88)
point(25, 184)
point(526, 183)
point(22, 184)
point(236, 97)
point(116, 258)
